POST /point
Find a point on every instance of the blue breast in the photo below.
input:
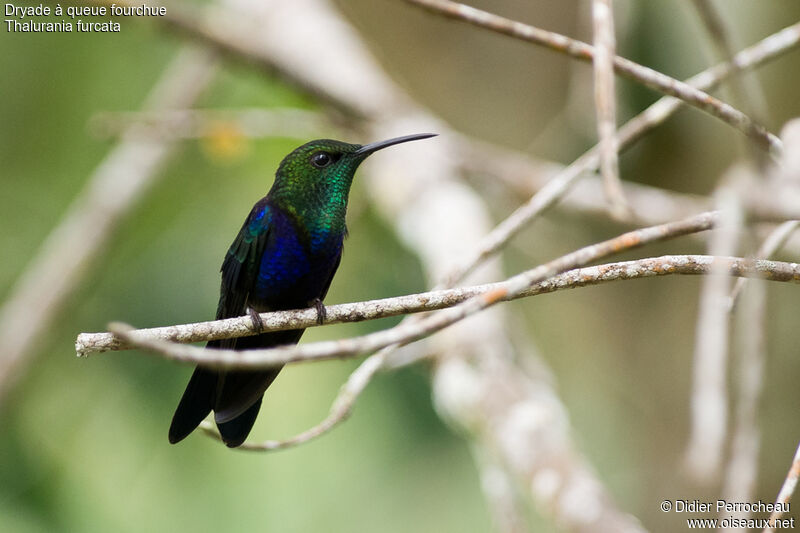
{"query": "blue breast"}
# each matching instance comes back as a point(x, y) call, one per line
point(293, 271)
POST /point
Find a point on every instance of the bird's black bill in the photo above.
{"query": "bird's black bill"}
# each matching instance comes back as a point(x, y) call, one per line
point(380, 145)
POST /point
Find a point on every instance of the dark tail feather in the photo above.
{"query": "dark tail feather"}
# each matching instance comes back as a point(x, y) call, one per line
point(238, 390)
point(196, 403)
point(234, 395)
point(235, 431)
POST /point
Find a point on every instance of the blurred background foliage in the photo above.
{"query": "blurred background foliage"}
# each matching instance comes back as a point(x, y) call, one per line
point(83, 442)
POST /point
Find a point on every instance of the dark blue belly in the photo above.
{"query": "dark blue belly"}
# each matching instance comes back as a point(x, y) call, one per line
point(292, 274)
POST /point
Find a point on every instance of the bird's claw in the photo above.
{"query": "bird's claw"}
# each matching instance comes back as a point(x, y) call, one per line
point(258, 323)
point(321, 312)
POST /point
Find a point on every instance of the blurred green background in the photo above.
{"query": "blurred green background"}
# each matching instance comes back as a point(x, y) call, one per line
point(83, 442)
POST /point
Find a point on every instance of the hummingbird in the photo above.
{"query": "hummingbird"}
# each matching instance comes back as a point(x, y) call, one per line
point(284, 257)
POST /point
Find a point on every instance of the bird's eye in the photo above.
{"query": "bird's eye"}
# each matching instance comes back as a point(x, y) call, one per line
point(321, 159)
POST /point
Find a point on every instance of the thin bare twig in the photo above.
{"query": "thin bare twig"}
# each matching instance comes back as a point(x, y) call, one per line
point(709, 402)
point(583, 51)
point(606, 106)
point(787, 173)
point(785, 494)
point(768, 48)
point(741, 472)
point(114, 187)
point(709, 394)
point(746, 92)
point(525, 176)
point(712, 20)
point(340, 409)
point(741, 475)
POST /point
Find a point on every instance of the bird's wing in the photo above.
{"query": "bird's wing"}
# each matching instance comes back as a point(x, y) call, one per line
point(207, 388)
point(241, 264)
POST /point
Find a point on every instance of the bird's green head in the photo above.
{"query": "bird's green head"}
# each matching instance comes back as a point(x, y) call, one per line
point(317, 175)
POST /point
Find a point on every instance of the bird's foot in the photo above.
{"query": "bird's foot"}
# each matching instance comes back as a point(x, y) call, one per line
point(258, 323)
point(321, 312)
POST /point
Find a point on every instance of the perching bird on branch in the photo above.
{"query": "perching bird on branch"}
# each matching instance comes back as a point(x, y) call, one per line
point(284, 257)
